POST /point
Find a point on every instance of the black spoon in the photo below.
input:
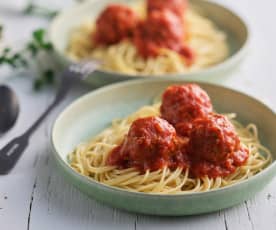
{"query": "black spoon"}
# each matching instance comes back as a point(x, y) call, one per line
point(9, 108)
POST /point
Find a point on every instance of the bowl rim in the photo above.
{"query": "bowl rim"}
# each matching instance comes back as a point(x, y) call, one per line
point(215, 68)
point(91, 182)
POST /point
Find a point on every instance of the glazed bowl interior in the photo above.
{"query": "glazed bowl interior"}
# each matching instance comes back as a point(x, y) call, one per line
point(90, 114)
point(235, 28)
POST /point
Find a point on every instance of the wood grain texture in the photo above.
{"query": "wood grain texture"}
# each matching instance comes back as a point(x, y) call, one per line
point(35, 196)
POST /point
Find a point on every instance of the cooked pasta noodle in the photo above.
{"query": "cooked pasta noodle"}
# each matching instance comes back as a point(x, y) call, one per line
point(89, 159)
point(208, 42)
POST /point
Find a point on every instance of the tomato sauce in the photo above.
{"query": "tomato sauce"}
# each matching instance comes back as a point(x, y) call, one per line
point(151, 143)
point(214, 147)
point(163, 28)
point(178, 7)
point(203, 141)
point(183, 103)
point(114, 24)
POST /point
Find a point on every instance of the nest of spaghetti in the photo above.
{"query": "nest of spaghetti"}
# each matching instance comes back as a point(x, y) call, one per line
point(176, 146)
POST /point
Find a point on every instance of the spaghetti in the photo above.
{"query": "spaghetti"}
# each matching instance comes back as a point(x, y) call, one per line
point(89, 159)
point(207, 41)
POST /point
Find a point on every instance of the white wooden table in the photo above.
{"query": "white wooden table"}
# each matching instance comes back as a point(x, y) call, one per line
point(35, 196)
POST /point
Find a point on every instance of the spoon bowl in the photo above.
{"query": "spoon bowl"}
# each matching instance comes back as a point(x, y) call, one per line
point(9, 108)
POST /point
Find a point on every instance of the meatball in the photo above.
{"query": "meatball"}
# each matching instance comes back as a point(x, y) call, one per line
point(148, 145)
point(176, 6)
point(213, 138)
point(184, 103)
point(214, 147)
point(114, 24)
point(162, 29)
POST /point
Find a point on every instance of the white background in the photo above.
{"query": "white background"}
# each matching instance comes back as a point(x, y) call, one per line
point(34, 195)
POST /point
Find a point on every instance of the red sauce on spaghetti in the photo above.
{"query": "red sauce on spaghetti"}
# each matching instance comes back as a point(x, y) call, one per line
point(114, 24)
point(178, 7)
point(163, 28)
point(151, 143)
point(204, 141)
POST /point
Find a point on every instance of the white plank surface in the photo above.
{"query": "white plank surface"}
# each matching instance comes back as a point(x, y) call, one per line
point(34, 196)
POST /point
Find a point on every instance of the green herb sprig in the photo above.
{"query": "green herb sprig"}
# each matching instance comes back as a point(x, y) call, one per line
point(19, 59)
point(38, 43)
point(14, 60)
point(37, 10)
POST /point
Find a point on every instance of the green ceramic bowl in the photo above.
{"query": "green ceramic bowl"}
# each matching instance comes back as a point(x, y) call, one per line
point(228, 21)
point(93, 112)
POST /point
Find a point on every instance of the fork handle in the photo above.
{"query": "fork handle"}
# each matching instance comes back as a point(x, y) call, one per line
point(56, 101)
point(11, 152)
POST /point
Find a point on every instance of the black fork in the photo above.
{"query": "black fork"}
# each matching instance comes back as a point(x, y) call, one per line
point(11, 152)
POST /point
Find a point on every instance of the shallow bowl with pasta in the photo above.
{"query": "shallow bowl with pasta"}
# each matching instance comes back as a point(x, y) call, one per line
point(229, 27)
point(92, 113)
